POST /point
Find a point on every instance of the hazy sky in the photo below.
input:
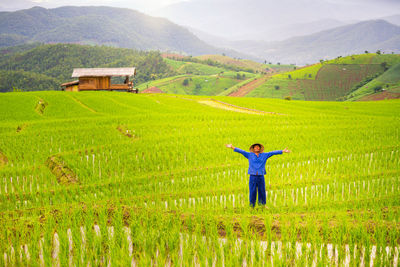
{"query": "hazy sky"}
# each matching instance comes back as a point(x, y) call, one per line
point(142, 5)
point(151, 5)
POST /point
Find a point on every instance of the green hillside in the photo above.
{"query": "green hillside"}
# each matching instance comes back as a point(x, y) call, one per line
point(198, 84)
point(17, 80)
point(185, 67)
point(328, 80)
point(199, 77)
point(100, 25)
point(119, 179)
point(388, 82)
point(56, 62)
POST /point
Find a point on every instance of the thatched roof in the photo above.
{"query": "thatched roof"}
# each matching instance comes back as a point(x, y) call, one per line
point(101, 72)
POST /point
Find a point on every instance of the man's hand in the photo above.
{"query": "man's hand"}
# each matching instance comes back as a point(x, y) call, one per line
point(230, 146)
point(286, 150)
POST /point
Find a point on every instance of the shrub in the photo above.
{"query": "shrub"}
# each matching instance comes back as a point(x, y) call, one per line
point(185, 82)
point(378, 88)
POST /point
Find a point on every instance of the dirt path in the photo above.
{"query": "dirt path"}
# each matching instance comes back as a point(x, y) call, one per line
point(247, 88)
point(82, 105)
point(222, 105)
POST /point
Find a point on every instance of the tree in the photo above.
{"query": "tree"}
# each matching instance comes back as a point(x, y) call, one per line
point(277, 87)
point(239, 76)
point(290, 76)
point(366, 52)
point(185, 82)
point(378, 52)
point(288, 97)
point(377, 88)
point(197, 89)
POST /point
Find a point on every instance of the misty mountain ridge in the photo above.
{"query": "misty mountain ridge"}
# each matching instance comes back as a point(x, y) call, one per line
point(253, 20)
point(110, 26)
point(127, 28)
point(356, 38)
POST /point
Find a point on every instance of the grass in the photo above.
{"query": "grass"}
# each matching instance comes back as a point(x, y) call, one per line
point(154, 183)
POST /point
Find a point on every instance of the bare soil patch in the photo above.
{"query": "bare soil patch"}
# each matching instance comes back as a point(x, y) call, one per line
point(380, 96)
point(247, 88)
point(62, 172)
point(152, 90)
point(3, 159)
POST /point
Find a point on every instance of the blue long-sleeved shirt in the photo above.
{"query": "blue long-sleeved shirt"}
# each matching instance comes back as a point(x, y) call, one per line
point(257, 164)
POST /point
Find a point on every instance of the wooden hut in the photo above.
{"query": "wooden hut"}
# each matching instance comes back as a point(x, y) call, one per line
point(92, 79)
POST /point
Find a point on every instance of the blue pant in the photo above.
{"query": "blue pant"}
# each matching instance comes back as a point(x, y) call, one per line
point(257, 182)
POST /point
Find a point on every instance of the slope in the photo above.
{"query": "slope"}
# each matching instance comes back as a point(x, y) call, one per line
point(327, 80)
point(385, 86)
point(119, 27)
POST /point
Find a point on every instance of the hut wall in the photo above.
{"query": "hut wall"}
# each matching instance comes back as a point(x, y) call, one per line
point(72, 88)
point(94, 83)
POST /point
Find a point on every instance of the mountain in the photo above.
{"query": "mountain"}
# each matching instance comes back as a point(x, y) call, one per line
point(356, 38)
point(278, 33)
point(110, 26)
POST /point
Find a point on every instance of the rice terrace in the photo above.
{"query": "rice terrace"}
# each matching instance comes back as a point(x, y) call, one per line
point(99, 177)
point(132, 140)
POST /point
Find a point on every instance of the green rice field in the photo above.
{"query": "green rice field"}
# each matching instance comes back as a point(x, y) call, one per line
point(120, 179)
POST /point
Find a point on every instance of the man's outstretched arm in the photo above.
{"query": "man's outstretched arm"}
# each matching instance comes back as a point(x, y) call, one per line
point(277, 152)
point(244, 153)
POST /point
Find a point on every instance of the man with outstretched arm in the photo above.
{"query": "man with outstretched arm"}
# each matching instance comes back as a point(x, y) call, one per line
point(257, 160)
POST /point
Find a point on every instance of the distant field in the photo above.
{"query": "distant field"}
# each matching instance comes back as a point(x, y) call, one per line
point(183, 67)
point(330, 80)
point(245, 63)
point(389, 81)
point(235, 62)
point(122, 179)
point(197, 84)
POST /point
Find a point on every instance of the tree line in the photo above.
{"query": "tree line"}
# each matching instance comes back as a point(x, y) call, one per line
point(45, 67)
